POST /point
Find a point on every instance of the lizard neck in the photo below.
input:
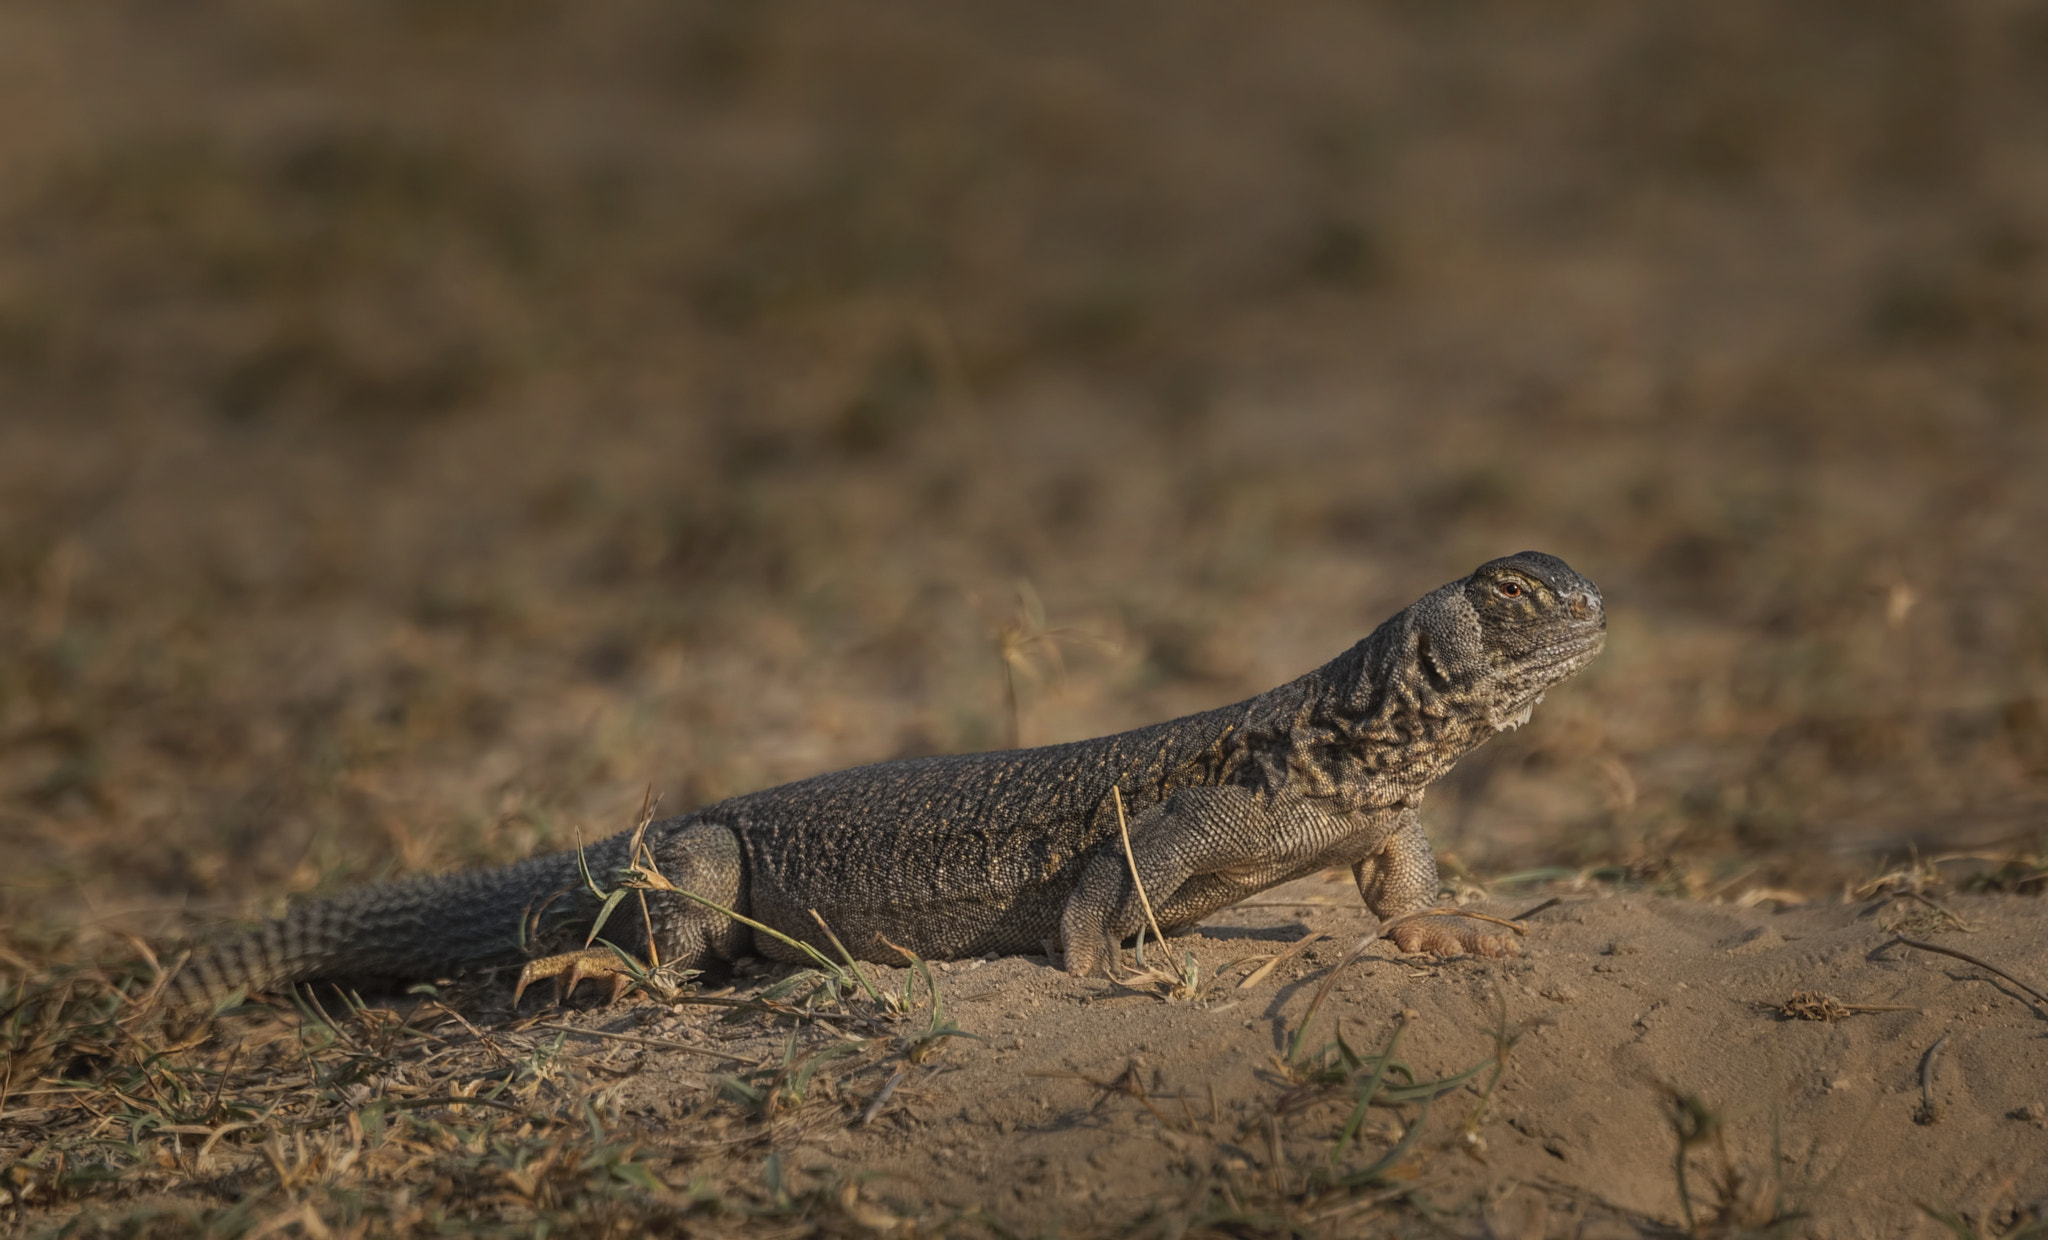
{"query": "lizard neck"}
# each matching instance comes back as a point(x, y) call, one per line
point(1369, 729)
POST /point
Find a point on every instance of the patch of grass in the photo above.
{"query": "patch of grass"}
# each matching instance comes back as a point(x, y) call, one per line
point(340, 1116)
point(1717, 1193)
point(1346, 1169)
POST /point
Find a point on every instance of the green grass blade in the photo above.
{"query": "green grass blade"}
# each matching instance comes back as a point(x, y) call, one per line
point(1371, 1090)
point(859, 976)
point(604, 914)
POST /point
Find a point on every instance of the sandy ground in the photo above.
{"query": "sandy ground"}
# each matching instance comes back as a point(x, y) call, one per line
point(1084, 1105)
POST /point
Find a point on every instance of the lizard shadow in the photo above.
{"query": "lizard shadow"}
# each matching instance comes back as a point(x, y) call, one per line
point(1276, 1007)
point(1276, 934)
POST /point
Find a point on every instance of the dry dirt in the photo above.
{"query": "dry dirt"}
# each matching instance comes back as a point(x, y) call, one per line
point(1621, 1005)
point(1086, 1103)
point(1830, 1078)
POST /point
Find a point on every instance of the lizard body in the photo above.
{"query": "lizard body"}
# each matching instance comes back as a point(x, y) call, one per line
point(1001, 852)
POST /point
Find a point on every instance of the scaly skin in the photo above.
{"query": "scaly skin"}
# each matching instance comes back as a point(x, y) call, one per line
point(964, 855)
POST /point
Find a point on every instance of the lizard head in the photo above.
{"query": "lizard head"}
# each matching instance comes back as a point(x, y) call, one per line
point(1518, 625)
point(1538, 622)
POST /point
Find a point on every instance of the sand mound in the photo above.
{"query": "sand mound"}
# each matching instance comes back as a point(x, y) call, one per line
point(1090, 1104)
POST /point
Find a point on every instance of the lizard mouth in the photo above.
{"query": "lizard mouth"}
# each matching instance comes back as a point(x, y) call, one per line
point(1528, 683)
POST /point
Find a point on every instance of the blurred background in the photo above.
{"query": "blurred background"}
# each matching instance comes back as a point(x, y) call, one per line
point(425, 426)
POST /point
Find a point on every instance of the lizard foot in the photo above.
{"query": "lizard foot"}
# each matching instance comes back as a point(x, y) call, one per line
point(1083, 960)
point(1447, 936)
point(569, 968)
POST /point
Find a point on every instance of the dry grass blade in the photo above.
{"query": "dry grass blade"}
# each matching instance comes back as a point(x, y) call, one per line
point(647, 803)
point(635, 1039)
point(1124, 832)
point(654, 880)
point(859, 976)
point(1292, 950)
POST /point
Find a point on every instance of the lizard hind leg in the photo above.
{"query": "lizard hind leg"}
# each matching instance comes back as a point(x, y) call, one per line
point(674, 931)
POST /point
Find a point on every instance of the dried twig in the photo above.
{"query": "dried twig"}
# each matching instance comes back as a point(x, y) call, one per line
point(1929, 1113)
point(882, 1098)
point(1969, 959)
point(1129, 1082)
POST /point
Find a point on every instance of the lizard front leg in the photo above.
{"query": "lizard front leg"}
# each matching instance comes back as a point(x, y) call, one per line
point(1401, 878)
point(1201, 850)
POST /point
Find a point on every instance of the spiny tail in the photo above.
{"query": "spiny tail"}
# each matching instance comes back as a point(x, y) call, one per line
point(414, 928)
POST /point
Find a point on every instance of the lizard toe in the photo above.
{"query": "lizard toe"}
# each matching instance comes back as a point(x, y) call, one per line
point(568, 969)
point(1444, 936)
point(1082, 961)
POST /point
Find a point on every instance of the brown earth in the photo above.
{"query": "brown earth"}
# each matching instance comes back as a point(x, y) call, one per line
point(1622, 1005)
point(426, 425)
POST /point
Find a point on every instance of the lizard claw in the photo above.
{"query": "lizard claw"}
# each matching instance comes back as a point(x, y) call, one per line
point(569, 968)
point(1445, 936)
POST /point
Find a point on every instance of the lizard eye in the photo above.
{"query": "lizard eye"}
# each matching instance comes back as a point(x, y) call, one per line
point(1509, 589)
